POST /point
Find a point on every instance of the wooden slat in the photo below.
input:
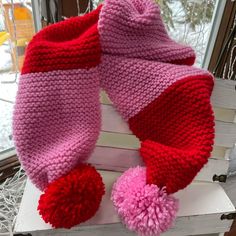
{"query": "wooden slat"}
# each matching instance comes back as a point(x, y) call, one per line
point(104, 99)
point(225, 134)
point(116, 159)
point(185, 226)
point(117, 140)
point(226, 115)
point(210, 201)
point(127, 141)
point(224, 94)
point(112, 122)
point(220, 153)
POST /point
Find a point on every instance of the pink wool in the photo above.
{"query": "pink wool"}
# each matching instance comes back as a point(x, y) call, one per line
point(56, 122)
point(134, 29)
point(145, 209)
point(132, 84)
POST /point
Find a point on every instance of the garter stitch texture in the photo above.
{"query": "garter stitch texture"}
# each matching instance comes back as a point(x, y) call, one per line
point(57, 119)
point(168, 108)
point(134, 29)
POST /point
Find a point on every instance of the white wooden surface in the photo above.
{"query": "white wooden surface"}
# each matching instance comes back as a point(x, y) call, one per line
point(201, 205)
point(193, 225)
point(189, 225)
point(226, 115)
point(130, 142)
point(224, 94)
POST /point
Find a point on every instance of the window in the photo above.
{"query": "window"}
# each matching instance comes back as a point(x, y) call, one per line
point(16, 30)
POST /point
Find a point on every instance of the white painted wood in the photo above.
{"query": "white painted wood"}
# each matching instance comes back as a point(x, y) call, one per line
point(199, 202)
point(225, 132)
point(118, 140)
point(112, 121)
point(224, 94)
point(226, 115)
point(127, 141)
point(118, 159)
point(218, 167)
point(104, 99)
point(185, 226)
point(182, 227)
point(220, 152)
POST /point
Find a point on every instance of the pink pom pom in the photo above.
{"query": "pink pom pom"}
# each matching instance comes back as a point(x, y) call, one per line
point(143, 208)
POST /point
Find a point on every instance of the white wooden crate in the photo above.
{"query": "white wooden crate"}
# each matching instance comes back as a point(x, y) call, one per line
point(201, 207)
point(202, 203)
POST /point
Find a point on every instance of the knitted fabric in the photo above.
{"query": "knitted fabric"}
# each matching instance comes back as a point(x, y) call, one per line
point(57, 115)
point(168, 108)
point(70, 44)
point(56, 122)
point(134, 29)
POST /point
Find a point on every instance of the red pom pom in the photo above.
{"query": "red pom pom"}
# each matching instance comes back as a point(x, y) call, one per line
point(73, 198)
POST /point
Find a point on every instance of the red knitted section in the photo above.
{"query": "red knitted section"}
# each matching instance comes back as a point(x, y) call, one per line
point(70, 44)
point(177, 132)
point(73, 198)
point(189, 61)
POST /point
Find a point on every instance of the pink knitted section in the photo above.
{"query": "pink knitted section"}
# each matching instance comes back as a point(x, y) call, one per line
point(56, 122)
point(132, 84)
point(134, 28)
point(144, 208)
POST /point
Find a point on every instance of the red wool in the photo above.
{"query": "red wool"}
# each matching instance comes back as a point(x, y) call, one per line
point(70, 44)
point(73, 198)
point(189, 61)
point(177, 132)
